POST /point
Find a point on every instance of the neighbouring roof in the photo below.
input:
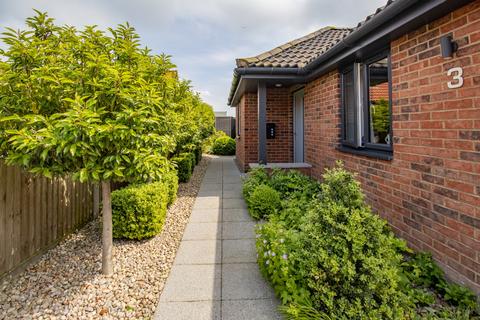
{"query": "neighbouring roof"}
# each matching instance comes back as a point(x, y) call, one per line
point(298, 52)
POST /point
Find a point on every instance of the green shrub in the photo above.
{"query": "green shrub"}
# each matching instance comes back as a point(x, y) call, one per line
point(340, 186)
point(328, 256)
point(139, 211)
point(255, 177)
point(171, 181)
point(263, 201)
point(208, 143)
point(184, 166)
point(276, 248)
point(193, 159)
point(460, 296)
point(293, 183)
point(198, 154)
point(224, 146)
point(350, 264)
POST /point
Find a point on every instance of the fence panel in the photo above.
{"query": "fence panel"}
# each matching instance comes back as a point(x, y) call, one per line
point(36, 212)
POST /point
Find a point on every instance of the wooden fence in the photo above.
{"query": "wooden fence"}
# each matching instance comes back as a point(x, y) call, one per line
point(36, 212)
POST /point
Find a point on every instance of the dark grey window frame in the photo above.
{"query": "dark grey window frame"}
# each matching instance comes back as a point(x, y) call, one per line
point(366, 148)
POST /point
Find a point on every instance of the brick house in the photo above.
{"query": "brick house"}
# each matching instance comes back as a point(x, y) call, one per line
point(397, 99)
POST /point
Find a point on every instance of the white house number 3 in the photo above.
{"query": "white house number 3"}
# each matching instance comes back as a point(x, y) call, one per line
point(457, 77)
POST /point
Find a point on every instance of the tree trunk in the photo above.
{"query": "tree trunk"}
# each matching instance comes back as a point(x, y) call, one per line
point(96, 199)
point(107, 263)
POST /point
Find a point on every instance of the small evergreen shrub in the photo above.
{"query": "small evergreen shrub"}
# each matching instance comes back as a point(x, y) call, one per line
point(263, 201)
point(276, 247)
point(340, 186)
point(328, 256)
point(255, 177)
point(184, 166)
point(350, 264)
point(139, 211)
point(293, 183)
point(193, 159)
point(224, 146)
point(171, 180)
point(208, 143)
point(198, 154)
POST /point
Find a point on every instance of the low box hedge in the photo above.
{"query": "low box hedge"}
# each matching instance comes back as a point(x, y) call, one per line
point(224, 146)
point(185, 163)
point(138, 211)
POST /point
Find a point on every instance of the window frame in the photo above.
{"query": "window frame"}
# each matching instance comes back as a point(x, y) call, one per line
point(362, 108)
point(343, 72)
point(366, 102)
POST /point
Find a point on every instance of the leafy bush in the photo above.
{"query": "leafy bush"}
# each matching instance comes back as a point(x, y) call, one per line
point(255, 177)
point(328, 256)
point(291, 182)
point(263, 201)
point(350, 264)
point(340, 186)
point(276, 247)
point(184, 166)
point(198, 154)
point(224, 146)
point(208, 143)
point(171, 181)
point(139, 211)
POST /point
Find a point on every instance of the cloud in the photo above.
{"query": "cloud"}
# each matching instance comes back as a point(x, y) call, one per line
point(204, 37)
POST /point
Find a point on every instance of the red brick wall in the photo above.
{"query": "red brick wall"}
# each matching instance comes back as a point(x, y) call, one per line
point(279, 111)
point(430, 191)
point(247, 142)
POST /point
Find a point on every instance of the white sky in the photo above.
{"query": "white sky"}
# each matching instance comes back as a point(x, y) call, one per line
point(203, 36)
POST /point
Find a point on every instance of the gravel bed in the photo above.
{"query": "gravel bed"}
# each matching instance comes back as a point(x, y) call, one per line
point(66, 283)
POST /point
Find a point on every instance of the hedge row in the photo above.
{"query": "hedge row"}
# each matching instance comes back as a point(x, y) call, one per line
point(139, 211)
point(328, 256)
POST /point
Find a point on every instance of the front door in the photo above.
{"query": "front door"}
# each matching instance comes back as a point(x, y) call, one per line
point(298, 126)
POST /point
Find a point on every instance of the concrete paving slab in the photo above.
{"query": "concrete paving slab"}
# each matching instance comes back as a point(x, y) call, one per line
point(198, 310)
point(232, 186)
point(215, 275)
point(202, 231)
point(238, 230)
point(207, 203)
point(259, 309)
point(232, 179)
point(206, 215)
point(236, 215)
point(199, 252)
point(235, 251)
point(234, 204)
point(233, 194)
point(244, 281)
point(209, 193)
point(192, 283)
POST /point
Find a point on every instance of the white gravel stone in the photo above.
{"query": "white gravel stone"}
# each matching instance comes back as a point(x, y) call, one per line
point(66, 283)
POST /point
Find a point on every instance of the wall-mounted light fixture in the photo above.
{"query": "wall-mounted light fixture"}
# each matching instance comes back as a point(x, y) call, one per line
point(278, 85)
point(448, 46)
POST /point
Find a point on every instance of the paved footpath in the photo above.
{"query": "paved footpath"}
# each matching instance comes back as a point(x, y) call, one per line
point(215, 274)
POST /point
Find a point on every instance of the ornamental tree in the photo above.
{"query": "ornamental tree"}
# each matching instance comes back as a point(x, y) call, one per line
point(90, 104)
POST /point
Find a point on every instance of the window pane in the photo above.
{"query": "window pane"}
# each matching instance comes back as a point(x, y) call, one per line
point(378, 92)
point(349, 107)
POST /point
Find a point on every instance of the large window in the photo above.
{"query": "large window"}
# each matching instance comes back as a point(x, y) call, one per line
point(366, 106)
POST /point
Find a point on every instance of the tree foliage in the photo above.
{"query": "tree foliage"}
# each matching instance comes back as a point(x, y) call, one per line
point(96, 105)
point(93, 103)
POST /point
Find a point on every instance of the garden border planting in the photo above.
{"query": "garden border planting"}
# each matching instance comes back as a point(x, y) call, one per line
point(66, 283)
